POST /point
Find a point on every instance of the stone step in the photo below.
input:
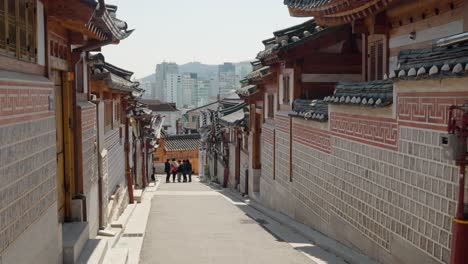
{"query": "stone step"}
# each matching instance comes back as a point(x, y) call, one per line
point(74, 237)
point(137, 194)
point(94, 251)
point(123, 219)
point(117, 256)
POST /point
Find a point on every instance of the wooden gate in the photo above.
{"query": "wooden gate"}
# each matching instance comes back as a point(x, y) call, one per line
point(60, 144)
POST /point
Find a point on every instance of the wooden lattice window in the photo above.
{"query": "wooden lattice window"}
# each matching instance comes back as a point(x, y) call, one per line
point(17, 29)
point(271, 106)
point(108, 115)
point(376, 57)
point(286, 89)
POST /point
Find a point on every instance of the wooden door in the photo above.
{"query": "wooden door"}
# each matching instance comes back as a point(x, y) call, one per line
point(60, 144)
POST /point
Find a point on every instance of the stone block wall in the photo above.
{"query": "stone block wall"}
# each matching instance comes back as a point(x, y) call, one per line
point(87, 113)
point(114, 143)
point(244, 166)
point(232, 166)
point(374, 179)
point(28, 184)
point(282, 150)
point(89, 167)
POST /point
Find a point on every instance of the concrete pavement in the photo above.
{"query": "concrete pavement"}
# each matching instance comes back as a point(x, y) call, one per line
point(193, 223)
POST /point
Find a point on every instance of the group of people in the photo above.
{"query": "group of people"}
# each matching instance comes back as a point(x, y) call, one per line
point(180, 168)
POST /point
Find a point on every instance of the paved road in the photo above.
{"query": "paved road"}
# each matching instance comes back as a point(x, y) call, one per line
point(192, 223)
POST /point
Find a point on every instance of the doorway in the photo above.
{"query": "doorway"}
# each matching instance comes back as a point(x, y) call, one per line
point(59, 116)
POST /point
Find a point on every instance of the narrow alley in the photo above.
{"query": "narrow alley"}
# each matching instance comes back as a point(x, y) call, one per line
point(196, 223)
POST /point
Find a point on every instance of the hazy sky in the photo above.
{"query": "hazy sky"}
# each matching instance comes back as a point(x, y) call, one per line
point(209, 31)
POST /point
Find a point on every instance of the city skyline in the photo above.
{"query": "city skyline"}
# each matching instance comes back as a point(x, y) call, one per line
point(193, 36)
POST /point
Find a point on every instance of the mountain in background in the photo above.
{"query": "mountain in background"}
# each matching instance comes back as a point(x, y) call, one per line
point(205, 71)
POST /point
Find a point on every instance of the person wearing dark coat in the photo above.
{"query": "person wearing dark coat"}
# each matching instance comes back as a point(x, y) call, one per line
point(184, 170)
point(180, 169)
point(167, 170)
point(189, 170)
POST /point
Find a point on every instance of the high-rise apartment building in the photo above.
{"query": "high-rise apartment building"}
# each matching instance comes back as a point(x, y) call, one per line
point(189, 83)
point(227, 78)
point(172, 88)
point(203, 93)
point(162, 71)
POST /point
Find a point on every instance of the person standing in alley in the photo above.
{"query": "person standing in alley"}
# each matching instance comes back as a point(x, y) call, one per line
point(189, 170)
point(174, 168)
point(184, 170)
point(167, 170)
point(180, 168)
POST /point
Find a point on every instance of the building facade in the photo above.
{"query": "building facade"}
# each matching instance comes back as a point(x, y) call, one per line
point(163, 70)
point(351, 125)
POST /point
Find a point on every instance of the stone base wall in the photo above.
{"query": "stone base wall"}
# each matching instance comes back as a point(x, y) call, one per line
point(232, 166)
point(114, 143)
point(87, 116)
point(374, 179)
point(28, 183)
point(244, 167)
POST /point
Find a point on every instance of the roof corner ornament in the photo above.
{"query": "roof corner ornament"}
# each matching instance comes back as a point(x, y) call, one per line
point(392, 75)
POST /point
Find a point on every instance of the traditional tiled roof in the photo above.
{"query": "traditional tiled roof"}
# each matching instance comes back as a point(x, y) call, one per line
point(336, 12)
point(373, 94)
point(448, 58)
point(182, 142)
point(310, 109)
point(116, 78)
point(259, 73)
point(162, 107)
point(247, 90)
point(285, 37)
point(105, 22)
point(234, 118)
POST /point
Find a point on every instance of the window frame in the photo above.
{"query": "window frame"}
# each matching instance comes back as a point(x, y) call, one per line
point(377, 57)
point(22, 43)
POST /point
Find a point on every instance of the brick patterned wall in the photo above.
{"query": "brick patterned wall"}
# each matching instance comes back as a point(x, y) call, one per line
point(244, 165)
point(27, 157)
point(312, 137)
point(267, 152)
point(380, 192)
point(89, 149)
point(116, 157)
point(427, 110)
point(376, 131)
point(282, 150)
point(384, 179)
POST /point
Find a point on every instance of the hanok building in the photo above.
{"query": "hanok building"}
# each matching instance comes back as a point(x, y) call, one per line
point(179, 147)
point(220, 130)
point(170, 112)
point(303, 61)
point(48, 124)
point(111, 85)
point(374, 175)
